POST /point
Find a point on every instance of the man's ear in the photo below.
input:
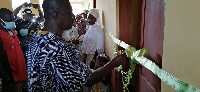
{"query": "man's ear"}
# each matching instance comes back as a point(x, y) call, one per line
point(95, 20)
point(56, 16)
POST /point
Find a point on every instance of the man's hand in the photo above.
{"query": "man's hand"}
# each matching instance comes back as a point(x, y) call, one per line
point(80, 29)
point(120, 60)
point(75, 41)
point(25, 4)
point(36, 6)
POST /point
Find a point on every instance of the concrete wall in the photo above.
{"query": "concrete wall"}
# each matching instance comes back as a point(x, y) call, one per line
point(181, 54)
point(109, 17)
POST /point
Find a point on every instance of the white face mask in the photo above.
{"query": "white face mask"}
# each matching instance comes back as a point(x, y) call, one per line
point(66, 35)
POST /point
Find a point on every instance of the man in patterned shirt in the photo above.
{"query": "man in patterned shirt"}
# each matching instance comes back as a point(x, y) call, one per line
point(53, 64)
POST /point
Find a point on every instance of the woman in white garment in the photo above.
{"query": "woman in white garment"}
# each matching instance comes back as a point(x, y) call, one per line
point(93, 40)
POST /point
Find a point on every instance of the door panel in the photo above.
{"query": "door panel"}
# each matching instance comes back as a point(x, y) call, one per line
point(124, 35)
point(150, 35)
point(94, 3)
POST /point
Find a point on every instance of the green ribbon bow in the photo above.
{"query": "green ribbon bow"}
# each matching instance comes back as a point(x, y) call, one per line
point(137, 57)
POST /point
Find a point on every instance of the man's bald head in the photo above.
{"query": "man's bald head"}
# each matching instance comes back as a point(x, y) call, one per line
point(58, 13)
point(51, 7)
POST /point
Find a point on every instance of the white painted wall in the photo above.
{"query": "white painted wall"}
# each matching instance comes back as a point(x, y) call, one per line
point(81, 5)
point(109, 17)
point(88, 4)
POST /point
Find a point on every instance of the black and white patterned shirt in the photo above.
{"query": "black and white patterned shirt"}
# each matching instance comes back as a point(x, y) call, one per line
point(53, 65)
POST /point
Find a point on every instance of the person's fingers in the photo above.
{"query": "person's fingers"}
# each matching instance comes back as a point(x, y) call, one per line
point(25, 4)
point(121, 57)
point(118, 59)
point(125, 64)
point(38, 6)
point(29, 4)
point(80, 25)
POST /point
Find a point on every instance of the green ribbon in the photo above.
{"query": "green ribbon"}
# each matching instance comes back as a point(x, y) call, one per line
point(137, 57)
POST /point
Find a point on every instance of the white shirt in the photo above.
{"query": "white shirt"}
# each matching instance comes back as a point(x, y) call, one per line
point(93, 40)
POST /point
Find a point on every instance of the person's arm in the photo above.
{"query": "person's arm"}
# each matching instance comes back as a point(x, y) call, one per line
point(1, 46)
point(2, 72)
point(41, 16)
point(16, 11)
point(106, 80)
point(75, 41)
point(80, 29)
point(101, 73)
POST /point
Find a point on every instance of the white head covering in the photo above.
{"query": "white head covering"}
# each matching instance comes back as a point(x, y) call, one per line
point(94, 12)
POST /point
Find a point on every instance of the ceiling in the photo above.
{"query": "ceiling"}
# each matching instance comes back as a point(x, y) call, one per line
point(77, 0)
